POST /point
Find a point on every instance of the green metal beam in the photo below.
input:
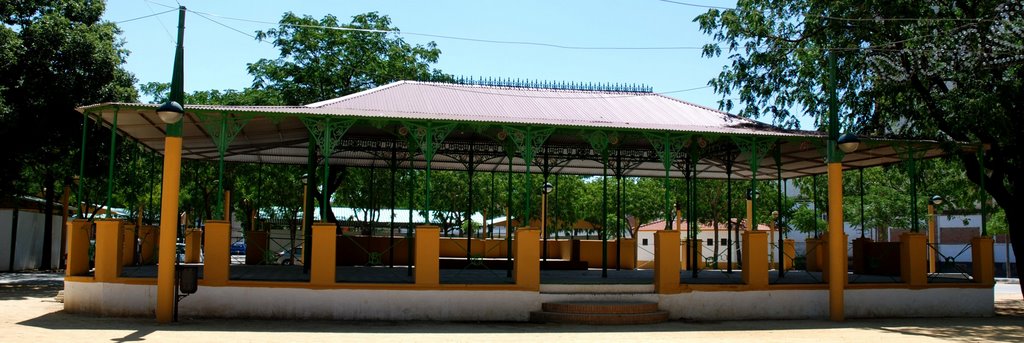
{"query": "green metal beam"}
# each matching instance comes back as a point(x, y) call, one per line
point(110, 167)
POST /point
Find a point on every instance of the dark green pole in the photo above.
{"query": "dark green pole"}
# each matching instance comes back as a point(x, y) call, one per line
point(81, 167)
point(691, 212)
point(394, 171)
point(860, 184)
point(983, 194)
point(913, 192)
point(778, 205)
point(469, 211)
point(110, 168)
point(307, 225)
point(544, 209)
point(814, 203)
point(221, 149)
point(411, 179)
point(604, 215)
point(508, 218)
point(618, 209)
point(728, 214)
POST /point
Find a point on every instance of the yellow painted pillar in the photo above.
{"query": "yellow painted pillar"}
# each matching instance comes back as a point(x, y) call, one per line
point(913, 269)
point(666, 261)
point(789, 250)
point(983, 257)
point(428, 251)
point(128, 244)
point(815, 251)
point(193, 244)
point(684, 247)
point(149, 237)
point(836, 244)
point(526, 268)
point(323, 269)
point(216, 256)
point(755, 258)
point(109, 243)
point(168, 230)
point(79, 231)
point(750, 215)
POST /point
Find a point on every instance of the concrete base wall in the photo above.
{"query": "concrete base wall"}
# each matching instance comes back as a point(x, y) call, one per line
point(114, 299)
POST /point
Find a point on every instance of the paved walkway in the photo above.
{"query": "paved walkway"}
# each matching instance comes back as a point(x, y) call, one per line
point(28, 313)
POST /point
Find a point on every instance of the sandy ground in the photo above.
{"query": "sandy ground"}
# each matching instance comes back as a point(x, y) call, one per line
point(28, 313)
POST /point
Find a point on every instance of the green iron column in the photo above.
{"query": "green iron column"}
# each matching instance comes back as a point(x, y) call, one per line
point(983, 193)
point(618, 209)
point(778, 204)
point(469, 212)
point(81, 168)
point(307, 215)
point(110, 167)
point(394, 170)
point(728, 214)
point(860, 184)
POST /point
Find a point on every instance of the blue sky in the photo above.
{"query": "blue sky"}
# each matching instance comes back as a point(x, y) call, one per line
point(216, 56)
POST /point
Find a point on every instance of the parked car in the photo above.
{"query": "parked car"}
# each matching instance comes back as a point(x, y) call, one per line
point(238, 248)
point(285, 257)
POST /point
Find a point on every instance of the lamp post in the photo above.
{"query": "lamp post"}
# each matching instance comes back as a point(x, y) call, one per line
point(751, 196)
point(771, 234)
point(544, 190)
point(934, 201)
point(171, 113)
point(847, 143)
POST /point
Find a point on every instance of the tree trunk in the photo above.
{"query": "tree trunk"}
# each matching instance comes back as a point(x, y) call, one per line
point(1016, 233)
point(47, 260)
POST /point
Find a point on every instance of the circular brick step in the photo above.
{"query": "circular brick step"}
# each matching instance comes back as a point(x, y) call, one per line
point(592, 307)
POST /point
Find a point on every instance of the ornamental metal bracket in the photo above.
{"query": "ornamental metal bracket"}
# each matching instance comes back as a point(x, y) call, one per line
point(223, 128)
point(667, 146)
point(528, 139)
point(327, 132)
point(756, 148)
point(428, 137)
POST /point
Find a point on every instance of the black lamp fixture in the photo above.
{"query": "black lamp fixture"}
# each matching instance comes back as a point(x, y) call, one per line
point(848, 142)
point(547, 188)
point(937, 200)
point(170, 112)
point(752, 194)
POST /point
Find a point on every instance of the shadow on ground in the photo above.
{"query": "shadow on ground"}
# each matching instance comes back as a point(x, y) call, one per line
point(1001, 328)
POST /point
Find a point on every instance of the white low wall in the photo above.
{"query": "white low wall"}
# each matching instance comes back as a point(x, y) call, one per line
point(113, 299)
point(259, 302)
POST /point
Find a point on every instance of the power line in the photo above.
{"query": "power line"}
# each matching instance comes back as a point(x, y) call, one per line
point(469, 39)
point(876, 19)
point(142, 17)
point(226, 26)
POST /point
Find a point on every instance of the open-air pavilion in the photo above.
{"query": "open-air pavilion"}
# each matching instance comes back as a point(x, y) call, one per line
point(520, 127)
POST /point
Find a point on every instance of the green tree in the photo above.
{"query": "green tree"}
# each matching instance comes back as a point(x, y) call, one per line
point(951, 72)
point(54, 56)
point(318, 64)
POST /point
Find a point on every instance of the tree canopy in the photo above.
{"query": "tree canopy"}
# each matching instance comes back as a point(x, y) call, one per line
point(952, 72)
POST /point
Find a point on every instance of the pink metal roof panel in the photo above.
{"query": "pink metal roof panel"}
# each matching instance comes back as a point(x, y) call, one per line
point(457, 102)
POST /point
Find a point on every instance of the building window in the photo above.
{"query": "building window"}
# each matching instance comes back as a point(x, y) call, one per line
point(645, 241)
point(724, 241)
point(711, 241)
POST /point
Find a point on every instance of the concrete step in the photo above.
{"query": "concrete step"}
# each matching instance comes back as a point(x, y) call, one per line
point(599, 313)
point(592, 307)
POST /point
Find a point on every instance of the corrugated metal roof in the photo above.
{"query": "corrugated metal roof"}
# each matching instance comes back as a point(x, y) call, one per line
point(274, 134)
point(458, 102)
